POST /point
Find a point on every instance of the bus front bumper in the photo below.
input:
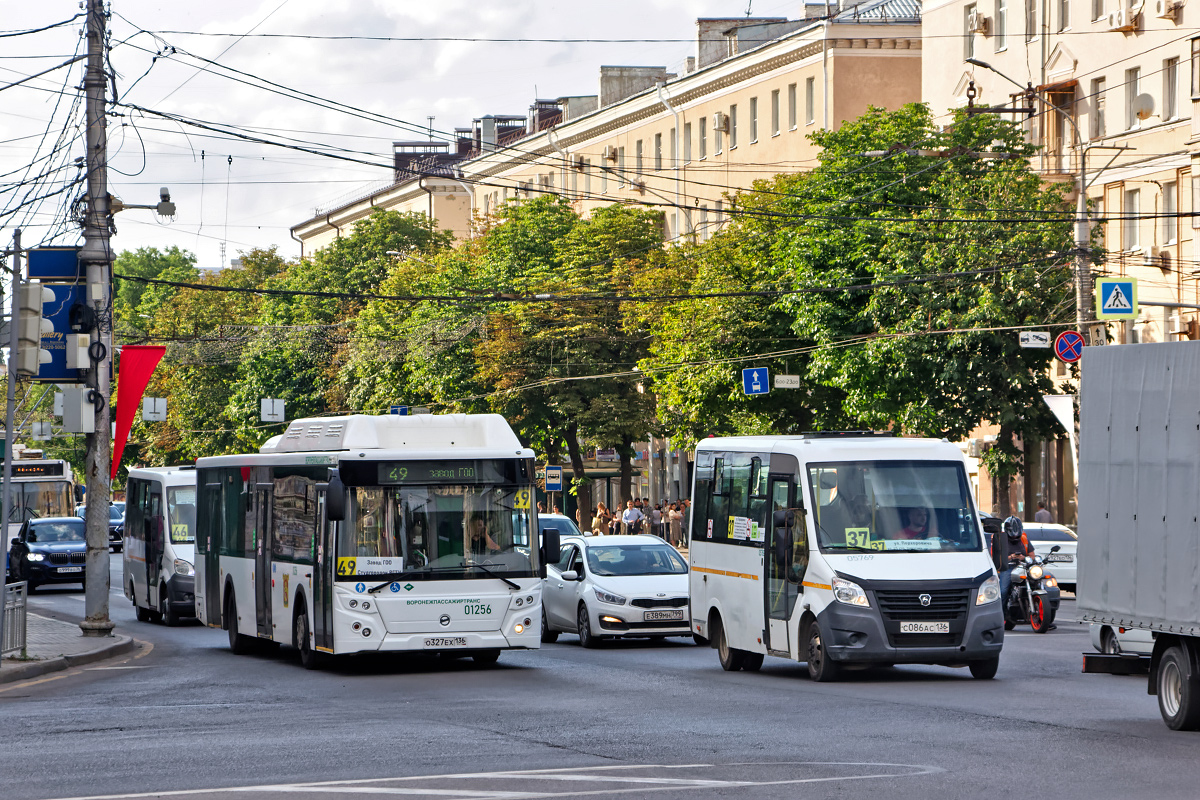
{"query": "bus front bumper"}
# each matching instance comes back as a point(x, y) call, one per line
point(860, 635)
point(434, 642)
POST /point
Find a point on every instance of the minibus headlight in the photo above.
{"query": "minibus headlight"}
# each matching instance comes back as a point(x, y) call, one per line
point(183, 567)
point(989, 591)
point(850, 593)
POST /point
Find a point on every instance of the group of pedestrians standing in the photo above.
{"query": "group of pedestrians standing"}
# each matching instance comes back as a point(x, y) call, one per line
point(640, 516)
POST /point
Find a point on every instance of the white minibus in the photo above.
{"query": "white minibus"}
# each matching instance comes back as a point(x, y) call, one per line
point(841, 550)
point(160, 543)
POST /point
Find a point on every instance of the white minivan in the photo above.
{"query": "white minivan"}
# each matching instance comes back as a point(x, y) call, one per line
point(160, 543)
point(841, 550)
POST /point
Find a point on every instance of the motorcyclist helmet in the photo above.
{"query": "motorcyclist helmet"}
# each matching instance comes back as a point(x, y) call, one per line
point(1013, 529)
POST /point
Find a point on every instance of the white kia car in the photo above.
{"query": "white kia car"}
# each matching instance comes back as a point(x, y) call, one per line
point(1062, 565)
point(615, 586)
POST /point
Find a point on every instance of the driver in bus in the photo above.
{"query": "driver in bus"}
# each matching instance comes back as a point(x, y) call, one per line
point(917, 523)
point(480, 541)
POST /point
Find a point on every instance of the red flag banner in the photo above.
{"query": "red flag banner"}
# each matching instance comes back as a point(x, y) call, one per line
point(138, 363)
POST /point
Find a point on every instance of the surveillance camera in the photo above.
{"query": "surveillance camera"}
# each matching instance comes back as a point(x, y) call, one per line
point(164, 195)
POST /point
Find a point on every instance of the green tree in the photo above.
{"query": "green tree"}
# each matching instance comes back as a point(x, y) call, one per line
point(135, 301)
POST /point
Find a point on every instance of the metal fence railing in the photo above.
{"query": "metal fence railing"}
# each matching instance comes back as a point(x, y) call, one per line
point(15, 596)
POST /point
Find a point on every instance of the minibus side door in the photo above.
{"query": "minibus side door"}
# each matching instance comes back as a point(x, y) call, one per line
point(155, 525)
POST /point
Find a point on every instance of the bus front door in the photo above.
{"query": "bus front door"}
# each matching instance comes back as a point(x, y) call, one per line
point(154, 548)
point(323, 580)
point(781, 593)
point(262, 566)
point(210, 529)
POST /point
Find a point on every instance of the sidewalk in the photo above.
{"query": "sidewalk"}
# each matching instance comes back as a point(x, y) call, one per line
point(53, 645)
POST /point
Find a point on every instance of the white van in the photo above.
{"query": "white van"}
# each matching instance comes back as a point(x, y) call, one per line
point(841, 550)
point(160, 543)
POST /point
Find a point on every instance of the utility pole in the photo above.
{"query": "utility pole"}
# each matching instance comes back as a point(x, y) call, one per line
point(10, 408)
point(96, 258)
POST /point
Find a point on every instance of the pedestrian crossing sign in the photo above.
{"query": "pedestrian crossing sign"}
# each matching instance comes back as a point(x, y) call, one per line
point(1116, 298)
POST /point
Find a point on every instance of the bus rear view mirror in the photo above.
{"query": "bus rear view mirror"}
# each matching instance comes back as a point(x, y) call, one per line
point(785, 518)
point(551, 544)
point(335, 499)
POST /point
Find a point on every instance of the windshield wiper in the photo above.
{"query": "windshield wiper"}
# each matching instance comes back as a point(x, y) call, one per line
point(392, 577)
point(513, 584)
point(856, 547)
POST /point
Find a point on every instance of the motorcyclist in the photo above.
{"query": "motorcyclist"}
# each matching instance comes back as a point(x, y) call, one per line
point(1006, 550)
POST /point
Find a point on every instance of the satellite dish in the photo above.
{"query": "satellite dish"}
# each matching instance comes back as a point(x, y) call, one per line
point(1143, 106)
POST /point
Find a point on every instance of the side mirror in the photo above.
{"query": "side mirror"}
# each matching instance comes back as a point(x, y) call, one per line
point(570, 575)
point(550, 546)
point(784, 518)
point(335, 498)
point(15, 540)
point(1056, 548)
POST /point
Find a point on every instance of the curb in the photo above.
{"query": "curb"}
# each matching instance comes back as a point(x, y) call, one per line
point(19, 671)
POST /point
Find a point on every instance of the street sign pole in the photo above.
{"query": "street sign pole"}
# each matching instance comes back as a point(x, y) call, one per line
point(11, 405)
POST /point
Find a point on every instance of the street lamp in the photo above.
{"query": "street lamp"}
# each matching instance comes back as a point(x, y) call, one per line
point(1085, 311)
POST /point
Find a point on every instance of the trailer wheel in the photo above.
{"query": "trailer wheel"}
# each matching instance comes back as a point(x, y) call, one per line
point(1178, 691)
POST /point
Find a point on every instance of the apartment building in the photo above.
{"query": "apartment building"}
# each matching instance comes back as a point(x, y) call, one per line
point(741, 110)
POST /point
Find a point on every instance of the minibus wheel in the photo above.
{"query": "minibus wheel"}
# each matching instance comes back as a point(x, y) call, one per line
point(821, 668)
point(166, 611)
point(731, 658)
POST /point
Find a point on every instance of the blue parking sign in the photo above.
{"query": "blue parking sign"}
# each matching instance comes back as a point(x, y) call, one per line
point(755, 380)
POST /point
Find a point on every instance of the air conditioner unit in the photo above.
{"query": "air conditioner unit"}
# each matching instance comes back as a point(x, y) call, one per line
point(720, 122)
point(1178, 325)
point(977, 23)
point(974, 448)
point(610, 153)
point(1150, 254)
point(1166, 9)
point(638, 186)
point(579, 163)
point(1122, 20)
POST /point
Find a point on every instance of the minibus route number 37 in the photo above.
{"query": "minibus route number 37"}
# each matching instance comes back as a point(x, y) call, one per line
point(374, 533)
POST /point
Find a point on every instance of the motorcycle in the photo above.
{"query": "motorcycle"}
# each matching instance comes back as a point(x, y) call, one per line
point(1034, 595)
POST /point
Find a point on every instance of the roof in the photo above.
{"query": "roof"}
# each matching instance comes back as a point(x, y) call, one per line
point(881, 11)
point(596, 541)
point(447, 433)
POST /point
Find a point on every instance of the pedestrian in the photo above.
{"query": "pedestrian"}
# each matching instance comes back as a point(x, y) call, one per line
point(601, 520)
point(557, 510)
point(656, 520)
point(541, 507)
point(631, 518)
point(675, 521)
point(1042, 514)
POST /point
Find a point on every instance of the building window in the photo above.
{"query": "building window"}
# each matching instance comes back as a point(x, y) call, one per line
point(1170, 89)
point(969, 12)
point(1001, 34)
point(1098, 92)
point(674, 149)
point(1170, 208)
point(687, 142)
point(717, 136)
point(792, 106)
point(1133, 78)
point(603, 176)
point(810, 101)
point(753, 120)
point(1098, 9)
point(775, 113)
point(1195, 68)
point(732, 127)
point(1130, 210)
point(1064, 14)
point(703, 141)
point(1031, 31)
point(621, 166)
point(657, 152)
point(637, 157)
point(587, 176)
point(720, 214)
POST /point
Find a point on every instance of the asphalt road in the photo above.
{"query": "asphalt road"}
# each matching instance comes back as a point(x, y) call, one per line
point(186, 717)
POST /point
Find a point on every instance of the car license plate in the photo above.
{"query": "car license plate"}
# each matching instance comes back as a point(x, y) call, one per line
point(1060, 557)
point(70, 569)
point(667, 615)
point(924, 627)
point(456, 641)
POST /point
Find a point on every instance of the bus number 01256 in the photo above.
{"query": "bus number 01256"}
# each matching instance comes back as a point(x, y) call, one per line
point(477, 610)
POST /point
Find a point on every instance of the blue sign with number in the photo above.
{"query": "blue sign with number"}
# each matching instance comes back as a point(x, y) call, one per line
point(1068, 346)
point(755, 380)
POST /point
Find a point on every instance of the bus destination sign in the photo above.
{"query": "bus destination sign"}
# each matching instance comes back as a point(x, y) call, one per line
point(45, 469)
point(397, 472)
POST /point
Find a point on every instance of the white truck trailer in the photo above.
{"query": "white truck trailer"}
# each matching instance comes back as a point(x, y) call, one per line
point(1139, 513)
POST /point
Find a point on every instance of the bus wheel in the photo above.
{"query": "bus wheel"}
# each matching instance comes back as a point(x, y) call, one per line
point(309, 658)
point(485, 656)
point(166, 611)
point(238, 644)
point(821, 668)
point(731, 658)
point(752, 662)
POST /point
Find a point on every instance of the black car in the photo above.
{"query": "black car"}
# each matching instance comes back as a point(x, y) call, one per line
point(116, 524)
point(49, 550)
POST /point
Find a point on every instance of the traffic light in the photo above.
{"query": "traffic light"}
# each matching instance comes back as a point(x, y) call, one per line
point(32, 326)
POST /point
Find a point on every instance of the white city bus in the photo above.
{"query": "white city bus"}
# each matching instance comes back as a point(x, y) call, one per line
point(842, 551)
point(374, 533)
point(159, 545)
point(41, 487)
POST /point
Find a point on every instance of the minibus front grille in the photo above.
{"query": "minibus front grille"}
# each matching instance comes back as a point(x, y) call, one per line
point(924, 639)
point(906, 605)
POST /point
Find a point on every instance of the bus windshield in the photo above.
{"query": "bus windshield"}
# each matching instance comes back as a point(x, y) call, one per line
point(181, 507)
point(893, 507)
point(34, 499)
point(444, 531)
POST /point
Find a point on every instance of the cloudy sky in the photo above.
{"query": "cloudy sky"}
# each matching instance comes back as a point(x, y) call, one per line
point(252, 200)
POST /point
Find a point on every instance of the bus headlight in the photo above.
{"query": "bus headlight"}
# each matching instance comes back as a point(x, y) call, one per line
point(989, 591)
point(183, 567)
point(850, 593)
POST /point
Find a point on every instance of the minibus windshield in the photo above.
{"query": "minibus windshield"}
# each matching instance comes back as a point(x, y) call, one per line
point(893, 507)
